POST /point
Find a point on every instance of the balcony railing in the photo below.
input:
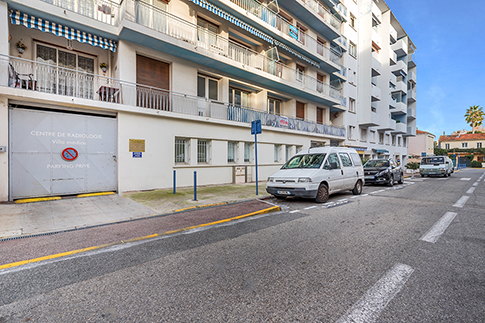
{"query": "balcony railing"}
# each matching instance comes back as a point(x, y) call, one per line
point(166, 23)
point(48, 78)
point(323, 12)
point(102, 10)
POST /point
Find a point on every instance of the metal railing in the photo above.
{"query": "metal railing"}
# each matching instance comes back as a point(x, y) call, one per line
point(102, 10)
point(166, 23)
point(323, 12)
point(49, 78)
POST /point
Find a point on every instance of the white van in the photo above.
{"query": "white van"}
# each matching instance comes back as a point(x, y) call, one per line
point(317, 172)
point(436, 165)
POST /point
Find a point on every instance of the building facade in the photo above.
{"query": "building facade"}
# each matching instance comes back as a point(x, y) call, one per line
point(420, 146)
point(98, 95)
point(464, 146)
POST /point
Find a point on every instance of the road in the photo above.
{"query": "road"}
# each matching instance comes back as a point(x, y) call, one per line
point(410, 253)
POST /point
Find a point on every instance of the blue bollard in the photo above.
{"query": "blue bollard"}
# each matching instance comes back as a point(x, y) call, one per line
point(174, 185)
point(195, 185)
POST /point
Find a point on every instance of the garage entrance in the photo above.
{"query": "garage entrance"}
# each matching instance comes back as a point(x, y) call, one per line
point(61, 153)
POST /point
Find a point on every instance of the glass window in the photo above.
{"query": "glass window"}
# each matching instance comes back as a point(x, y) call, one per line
point(213, 89)
point(346, 162)
point(239, 97)
point(277, 153)
point(231, 152)
point(356, 159)
point(274, 106)
point(247, 152)
point(180, 150)
point(207, 88)
point(305, 161)
point(352, 49)
point(332, 160)
point(287, 153)
point(202, 151)
point(464, 145)
point(447, 146)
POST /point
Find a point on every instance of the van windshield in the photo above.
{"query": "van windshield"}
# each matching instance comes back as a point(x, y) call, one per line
point(305, 161)
point(432, 160)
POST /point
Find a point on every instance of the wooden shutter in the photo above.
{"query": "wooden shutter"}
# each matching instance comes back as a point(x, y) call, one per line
point(300, 110)
point(320, 115)
point(152, 73)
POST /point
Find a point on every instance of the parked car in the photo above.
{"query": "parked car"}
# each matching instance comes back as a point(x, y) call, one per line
point(436, 165)
point(383, 171)
point(318, 172)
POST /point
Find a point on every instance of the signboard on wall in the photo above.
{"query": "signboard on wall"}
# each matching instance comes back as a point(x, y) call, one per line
point(137, 145)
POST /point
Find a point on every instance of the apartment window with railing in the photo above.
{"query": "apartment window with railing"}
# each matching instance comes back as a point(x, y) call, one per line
point(300, 71)
point(181, 148)
point(207, 87)
point(274, 106)
point(352, 49)
point(247, 152)
point(231, 151)
point(202, 151)
point(239, 97)
point(207, 33)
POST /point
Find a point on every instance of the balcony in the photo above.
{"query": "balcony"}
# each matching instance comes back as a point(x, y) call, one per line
point(400, 68)
point(392, 80)
point(411, 113)
point(101, 10)
point(411, 95)
point(393, 34)
point(375, 93)
point(392, 58)
point(25, 75)
point(410, 131)
point(342, 42)
point(412, 77)
point(370, 119)
point(388, 125)
point(376, 66)
point(376, 38)
point(400, 87)
point(411, 60)
point(401, 108)
point(376, 12)
point(341, 10)
point(400, 128)
point(218, 52)
point(400, 47)
point(392, 102)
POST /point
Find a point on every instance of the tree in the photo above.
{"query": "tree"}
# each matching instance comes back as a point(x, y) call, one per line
point(474, 116)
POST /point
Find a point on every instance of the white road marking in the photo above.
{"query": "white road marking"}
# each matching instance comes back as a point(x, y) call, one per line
point(364, 195)
point(379, 191)
point(475, 184)
point(461, 202)
point(328, 203)
point(370, 306)
point(294, 211)
point(310, 207)
point(471, 190)
point(465, 179)
point(438, 228)
point(354, 197)
point(412, 183)
point(442, 179)
point(343, 200)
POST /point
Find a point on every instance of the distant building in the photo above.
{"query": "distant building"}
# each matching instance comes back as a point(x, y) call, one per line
point(421, 145)
point(463, 141)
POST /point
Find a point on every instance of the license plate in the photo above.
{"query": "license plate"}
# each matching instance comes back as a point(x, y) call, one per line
point(283, 192)
point(432, 173)
point(368, 177)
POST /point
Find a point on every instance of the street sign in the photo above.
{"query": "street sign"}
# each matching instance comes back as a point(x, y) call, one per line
point(137, 154)
point(255, 127)
point(69, 154)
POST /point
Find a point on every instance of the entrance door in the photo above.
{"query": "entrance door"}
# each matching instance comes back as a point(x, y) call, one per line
point(55, 153)
point(155, 75)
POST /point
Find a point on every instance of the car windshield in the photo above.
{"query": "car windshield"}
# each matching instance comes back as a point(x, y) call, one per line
point(377, 163)
point(432, 160)
point(305, 161)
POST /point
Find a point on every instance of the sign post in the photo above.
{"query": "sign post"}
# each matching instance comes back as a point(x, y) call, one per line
point(255, 129)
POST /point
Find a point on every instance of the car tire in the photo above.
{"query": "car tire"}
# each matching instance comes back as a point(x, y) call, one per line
point(391, 181)
point(401, 179)
point(322, 194)
point(422, 175)
point(357, 188)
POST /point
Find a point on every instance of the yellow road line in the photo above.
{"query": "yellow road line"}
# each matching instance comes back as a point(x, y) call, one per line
point(95, 194)
point(38, 199)
point(73, 252)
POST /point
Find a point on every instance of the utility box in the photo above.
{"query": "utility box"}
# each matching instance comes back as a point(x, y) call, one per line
point(249, 174)
point(239, 174)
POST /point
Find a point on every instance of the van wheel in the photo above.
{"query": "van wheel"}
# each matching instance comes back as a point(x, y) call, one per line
point(322, 194)
point(357, 188)
point(401, 180)
point(391, 181)
point(422, 175)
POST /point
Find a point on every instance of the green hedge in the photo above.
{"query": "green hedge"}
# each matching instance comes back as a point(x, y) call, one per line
point(476, 164)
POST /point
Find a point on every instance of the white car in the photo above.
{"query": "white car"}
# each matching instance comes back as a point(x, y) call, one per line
point(318, 172)
point(436, 165)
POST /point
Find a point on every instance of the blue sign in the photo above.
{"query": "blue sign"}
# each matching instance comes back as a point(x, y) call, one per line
point(255, 127)
point(137, 154)
point(423, 154)
point(293, 32)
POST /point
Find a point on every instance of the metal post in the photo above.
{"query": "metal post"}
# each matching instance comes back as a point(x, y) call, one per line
point(174, 185)
point(256, 159)
point(195, 185)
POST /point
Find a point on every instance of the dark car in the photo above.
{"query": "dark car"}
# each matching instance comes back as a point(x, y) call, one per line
point(382, 171)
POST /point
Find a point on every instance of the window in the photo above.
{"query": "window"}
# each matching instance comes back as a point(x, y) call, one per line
point(372, 136)
point(352, 49)
point(352, 21)
point(404, 142)
point(393, 140)
point(277, 153)
point(202, 151)
point(298, 149)
point(287, 153)
point(479, 145)
point(351, 134)
point(238, 97)
point(387, 139)
point(356, 159)
point(447, 146)
point(274, 106)
point(333, 161)
point(381, 138)
point(207, 34)
point(305, 161)
point(231, 151)
point(351, 105)
point(300, 71)
point(464, 145)
point(399, 141)
point(247, 152)
point(363, 134)
point(346, 162)
point(319, 115)
point(180, 150)
point(207, 87)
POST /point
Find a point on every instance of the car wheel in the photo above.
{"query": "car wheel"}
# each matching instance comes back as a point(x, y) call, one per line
point(422, 175)
point(401, 179)
point(322, 194)
point(391, 181)
point(357, 188)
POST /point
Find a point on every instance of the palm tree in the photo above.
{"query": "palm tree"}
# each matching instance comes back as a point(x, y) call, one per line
point(474, 116)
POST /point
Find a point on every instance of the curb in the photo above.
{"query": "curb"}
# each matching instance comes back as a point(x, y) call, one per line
point(166, 233)
point(55, 198)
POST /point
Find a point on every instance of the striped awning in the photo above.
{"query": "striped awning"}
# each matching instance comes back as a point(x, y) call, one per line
point(221, 13)
point(288, 49)
point(20, 18)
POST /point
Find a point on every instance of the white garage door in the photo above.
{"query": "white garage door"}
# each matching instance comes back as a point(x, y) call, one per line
point(56, 153)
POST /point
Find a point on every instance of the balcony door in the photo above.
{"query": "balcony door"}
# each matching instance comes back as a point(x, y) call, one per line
point(64, 72)
point(153, 79)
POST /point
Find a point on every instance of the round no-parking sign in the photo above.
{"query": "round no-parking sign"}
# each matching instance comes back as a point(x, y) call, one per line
point(69, 154)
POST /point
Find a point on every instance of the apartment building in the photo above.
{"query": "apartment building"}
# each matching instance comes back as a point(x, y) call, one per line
point(421, 145)
point(97, 95)
point(381, 85)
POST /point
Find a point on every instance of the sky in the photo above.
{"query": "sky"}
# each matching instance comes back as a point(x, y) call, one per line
point(450, 58)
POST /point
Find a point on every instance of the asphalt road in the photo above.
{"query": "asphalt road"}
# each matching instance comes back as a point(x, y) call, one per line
point(409, 253)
